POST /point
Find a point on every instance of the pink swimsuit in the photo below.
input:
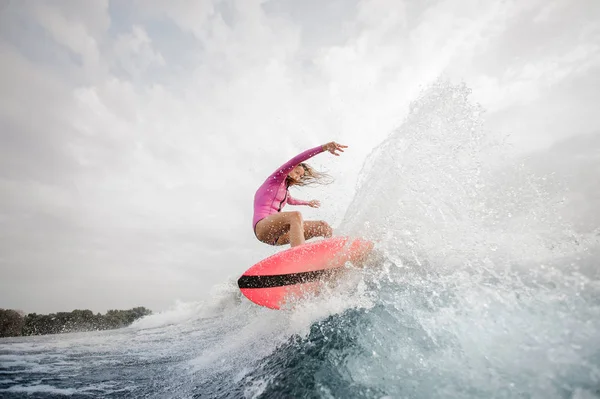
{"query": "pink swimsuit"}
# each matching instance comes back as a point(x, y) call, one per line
point(273, 194)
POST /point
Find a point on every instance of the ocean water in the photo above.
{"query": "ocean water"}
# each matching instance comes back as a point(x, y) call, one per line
point(478, 289)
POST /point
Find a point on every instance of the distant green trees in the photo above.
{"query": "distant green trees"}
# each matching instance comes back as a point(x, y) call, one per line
point(14, 323)
point(11, 323)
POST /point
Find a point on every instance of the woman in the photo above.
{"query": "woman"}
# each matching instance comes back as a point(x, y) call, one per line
point(274, 227)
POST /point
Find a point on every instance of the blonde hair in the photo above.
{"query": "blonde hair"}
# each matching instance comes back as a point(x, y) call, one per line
point(311, 176)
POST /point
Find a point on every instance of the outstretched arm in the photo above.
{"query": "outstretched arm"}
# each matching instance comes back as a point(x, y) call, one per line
point(281, 173)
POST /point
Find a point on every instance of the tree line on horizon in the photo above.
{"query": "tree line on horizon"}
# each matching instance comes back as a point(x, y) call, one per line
point(14, 323)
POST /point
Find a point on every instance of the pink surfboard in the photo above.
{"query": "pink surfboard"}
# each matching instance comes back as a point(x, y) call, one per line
point(300, 270)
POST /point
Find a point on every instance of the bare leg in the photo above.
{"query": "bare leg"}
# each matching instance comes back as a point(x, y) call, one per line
point(273, 226)
point(311, 229)
point(289, 228)
point(297, 231)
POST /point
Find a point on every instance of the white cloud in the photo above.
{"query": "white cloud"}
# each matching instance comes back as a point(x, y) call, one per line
point(189, 15)
point(526, 83)
point(134, 52)
point(70, 32)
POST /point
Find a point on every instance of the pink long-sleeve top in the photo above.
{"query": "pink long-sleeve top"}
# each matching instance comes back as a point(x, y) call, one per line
point(273, 194)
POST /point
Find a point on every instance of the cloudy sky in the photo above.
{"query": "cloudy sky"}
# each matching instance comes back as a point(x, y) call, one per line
point(134, 133)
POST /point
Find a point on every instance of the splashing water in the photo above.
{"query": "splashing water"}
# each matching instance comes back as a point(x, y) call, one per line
point(478, 290)
point(481, 297)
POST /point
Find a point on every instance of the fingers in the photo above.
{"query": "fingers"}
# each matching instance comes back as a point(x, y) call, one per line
point(332, 147)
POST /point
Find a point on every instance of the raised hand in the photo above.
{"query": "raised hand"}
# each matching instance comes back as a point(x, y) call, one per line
point(332, 147)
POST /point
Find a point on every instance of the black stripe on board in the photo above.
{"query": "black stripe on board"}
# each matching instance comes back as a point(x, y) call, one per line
point(280, 280)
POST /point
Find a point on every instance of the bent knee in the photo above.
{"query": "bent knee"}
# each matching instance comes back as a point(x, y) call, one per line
point(295, 217)
point(324, 225)
point(325, 229)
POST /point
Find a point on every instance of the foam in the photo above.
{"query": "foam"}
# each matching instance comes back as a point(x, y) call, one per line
point(31, 389)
